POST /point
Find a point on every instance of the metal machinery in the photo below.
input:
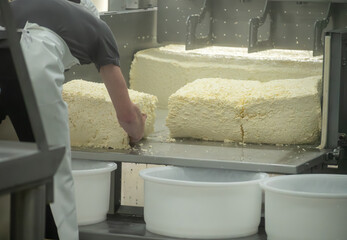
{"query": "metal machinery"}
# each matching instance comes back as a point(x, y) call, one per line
point(316, 25)
point(26, 169)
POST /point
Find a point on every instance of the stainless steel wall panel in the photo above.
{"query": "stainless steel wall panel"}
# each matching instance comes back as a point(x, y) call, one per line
point(172, 17)
point(292, 22)
point(231, 22)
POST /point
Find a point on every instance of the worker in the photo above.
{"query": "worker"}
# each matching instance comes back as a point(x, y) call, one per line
point(56, 35)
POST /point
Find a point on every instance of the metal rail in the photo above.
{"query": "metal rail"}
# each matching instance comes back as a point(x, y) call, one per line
point(23, 76)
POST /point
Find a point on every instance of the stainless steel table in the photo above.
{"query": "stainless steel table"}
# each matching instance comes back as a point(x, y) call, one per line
point(159, 148)
point(117, 227)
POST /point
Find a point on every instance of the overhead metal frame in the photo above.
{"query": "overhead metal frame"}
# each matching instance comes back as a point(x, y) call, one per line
point(256, 24)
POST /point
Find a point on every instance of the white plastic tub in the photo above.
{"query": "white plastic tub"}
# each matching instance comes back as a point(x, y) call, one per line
point(202, 203)
point(92, 189)
point(306, 207)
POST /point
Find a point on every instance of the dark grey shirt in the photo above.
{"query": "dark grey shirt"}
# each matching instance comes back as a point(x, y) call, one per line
point(88, 38)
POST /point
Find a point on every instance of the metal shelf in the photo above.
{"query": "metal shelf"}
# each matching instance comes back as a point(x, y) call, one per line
point(23, 165)
point(158, 148)
point(27, 174)
point(324, 1)
point(123, 228)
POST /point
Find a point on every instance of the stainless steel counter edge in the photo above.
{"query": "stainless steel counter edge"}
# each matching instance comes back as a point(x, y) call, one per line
point(196, 162)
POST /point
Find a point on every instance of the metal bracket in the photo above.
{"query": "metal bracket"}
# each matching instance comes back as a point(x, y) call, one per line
point(193, 42)
point(335, 154)
point(254, 24)
point(319, 25)
point(338, 155)
point(332, 158)
point(342, 142)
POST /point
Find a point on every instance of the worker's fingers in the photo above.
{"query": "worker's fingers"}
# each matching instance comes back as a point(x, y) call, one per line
point(134, 140)
point(132, 143)
point(140, 126)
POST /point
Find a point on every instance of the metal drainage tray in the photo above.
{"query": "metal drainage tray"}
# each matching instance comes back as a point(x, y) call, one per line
point(159, 148)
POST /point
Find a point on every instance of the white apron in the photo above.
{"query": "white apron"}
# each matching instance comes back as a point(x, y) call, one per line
point(47, 56)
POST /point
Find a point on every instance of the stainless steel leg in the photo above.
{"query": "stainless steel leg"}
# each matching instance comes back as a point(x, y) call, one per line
point(28, 214)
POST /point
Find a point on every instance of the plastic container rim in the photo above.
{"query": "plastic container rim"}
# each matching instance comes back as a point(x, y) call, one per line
point(264, 185)
point(110, 166)
point(143, 174)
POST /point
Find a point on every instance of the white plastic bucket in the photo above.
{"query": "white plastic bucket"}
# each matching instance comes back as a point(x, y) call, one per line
point(202, 203)
point(92, 189)
point(306, 207)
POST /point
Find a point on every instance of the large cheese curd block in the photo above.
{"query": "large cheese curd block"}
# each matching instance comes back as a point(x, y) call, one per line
point(274, 112)
point(283, 111)
point(208, 109)
point(162, 71)
point(92, 117)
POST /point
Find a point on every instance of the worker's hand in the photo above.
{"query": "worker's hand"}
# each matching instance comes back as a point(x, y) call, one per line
point(134, 124)
point(128, 114)
point(142, 122)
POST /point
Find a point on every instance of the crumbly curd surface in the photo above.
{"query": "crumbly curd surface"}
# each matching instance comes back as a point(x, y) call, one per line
point(92, 117)
point(162, 71)
point(284, 111)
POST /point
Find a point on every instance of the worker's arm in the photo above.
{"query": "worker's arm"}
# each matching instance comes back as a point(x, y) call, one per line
point(129, 115)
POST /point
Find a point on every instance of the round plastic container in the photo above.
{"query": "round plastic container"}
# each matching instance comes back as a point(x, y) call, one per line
point(306, 207)
point(202, 203)
point(92, 189)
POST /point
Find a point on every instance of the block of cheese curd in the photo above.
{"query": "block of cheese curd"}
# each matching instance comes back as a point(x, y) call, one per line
point(92, 117)
point(275, 112)
point(162, 71)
